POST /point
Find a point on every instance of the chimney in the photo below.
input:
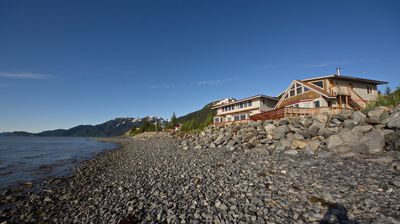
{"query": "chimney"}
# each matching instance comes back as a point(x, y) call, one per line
point(338, 71)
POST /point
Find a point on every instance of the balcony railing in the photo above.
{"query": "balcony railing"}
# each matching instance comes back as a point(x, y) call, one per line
point(294, 112)
point(230, 122)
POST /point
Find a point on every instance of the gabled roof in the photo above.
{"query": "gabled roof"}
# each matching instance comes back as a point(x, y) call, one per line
point(345, 77)
point(310, 86)
point(245, 99)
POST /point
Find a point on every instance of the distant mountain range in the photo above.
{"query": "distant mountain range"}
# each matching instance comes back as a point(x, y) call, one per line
point(120, 126)
point(115, 127)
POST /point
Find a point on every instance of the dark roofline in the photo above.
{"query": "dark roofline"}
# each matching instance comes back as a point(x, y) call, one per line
point(245, 99)
point(345, 77)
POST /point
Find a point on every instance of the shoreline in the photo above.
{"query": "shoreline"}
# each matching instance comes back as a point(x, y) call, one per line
point(156, 180)
point(35, 185)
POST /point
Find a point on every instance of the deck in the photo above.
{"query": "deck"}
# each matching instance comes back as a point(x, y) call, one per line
point(294, 112)
point(230, 122)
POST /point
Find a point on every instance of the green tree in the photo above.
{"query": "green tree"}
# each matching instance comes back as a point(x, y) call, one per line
point(209, 120)
point(145, 126)
point(174, 120)
point(387, 91)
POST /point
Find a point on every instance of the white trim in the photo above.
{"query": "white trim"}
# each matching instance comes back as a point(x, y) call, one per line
point(313, 88)
point(284, 95)
point(246, 99)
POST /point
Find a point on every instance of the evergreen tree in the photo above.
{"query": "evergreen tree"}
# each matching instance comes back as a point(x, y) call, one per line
point(174, 120)
point(387, 91)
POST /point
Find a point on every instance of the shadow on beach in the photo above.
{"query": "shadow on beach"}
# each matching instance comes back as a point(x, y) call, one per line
point(336, 213)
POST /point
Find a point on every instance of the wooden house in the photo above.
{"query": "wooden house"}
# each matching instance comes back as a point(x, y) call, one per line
point(331, 93)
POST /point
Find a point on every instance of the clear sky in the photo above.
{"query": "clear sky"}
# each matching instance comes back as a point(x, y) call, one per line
point(65, 63)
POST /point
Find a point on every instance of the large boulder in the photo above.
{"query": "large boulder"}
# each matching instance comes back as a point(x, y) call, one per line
point(312, 146)
point(269, 128)
point(392, 139)
point(358, 117)
point(374, 141)
point(306, 122)
point(299, 144)
point(349, 124)
point(219, 139)
point(358, 140)
point(248, 136)
point(343, 115)
point(362, 128)
point(335, 141)
point(323, 118)
point(376, 113)
point(316, 127)
point(394, 120)
point(280, 132)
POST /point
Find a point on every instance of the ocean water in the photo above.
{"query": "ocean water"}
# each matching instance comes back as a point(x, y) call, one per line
point(25, 159)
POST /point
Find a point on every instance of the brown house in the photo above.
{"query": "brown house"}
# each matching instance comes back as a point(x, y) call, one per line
point(331, 93)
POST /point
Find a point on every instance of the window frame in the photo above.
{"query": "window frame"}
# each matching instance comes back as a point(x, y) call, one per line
point(317, 104)
point(322, 83)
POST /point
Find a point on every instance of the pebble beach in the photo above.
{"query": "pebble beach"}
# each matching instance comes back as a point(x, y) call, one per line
point(156, 181)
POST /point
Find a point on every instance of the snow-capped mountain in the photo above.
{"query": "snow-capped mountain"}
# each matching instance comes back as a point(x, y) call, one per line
point(115, 127)
point(223, 101)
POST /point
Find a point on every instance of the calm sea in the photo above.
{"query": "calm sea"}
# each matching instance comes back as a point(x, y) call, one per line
point(25, 159)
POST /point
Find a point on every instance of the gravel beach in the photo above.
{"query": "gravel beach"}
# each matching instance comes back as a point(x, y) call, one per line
point(156, 181)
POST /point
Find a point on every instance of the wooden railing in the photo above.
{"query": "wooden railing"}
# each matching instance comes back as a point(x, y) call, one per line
point(294, 112)
point(358, 99)
point(230, 122)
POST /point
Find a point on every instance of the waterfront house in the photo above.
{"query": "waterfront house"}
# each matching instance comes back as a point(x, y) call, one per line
point(331, 93)
point(241, 110)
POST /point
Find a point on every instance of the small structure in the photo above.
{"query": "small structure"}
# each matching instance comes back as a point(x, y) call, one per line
point(241, 110)
point(332, 93)
point(177, 127)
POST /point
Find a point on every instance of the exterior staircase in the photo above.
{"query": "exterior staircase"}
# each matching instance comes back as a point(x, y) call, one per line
point(356, 101)
point(354, 104)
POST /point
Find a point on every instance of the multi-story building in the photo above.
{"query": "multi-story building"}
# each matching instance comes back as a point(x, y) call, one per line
point(331, 93)
point(241, 110)
point(334, 91)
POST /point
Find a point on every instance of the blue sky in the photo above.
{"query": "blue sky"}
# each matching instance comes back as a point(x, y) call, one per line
point(65, 63)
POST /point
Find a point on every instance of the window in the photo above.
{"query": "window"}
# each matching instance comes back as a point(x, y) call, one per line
point(249, 103)
point(229, 119)
point(316, 104)
point(236, 118)
point(299, 90)
point(243, 117)
point(369, 89)
point(296, 105)
point(216, 119)
point(306, 89)
point(319, 84)
point(292, 93)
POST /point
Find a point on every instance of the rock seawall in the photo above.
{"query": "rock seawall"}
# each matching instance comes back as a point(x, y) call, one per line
point(348, 134)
